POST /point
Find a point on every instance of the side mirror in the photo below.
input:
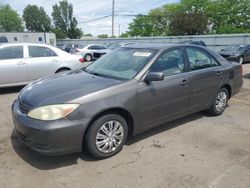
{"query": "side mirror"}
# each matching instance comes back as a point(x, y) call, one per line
point(154, 76)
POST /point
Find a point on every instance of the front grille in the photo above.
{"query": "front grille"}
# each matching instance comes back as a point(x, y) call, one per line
point(24, 107)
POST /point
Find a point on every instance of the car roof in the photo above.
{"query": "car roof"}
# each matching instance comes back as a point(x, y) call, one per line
point(157, 46)
point(24, 43)
point(94, 45)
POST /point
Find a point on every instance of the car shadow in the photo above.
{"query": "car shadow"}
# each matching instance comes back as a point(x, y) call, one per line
point(247, 76)
point(53, 162)
point(9, 90)
point(42, 162)
point(165, 127)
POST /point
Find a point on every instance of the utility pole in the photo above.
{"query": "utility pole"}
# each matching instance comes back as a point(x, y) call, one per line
point(113, 16)
point(119, 30)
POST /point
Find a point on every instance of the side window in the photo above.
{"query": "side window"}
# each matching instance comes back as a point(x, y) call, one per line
point(170, 63)
point(39, 51)
point(101, 47)
point(92, 48)
point(12, 52)
point(199, 59)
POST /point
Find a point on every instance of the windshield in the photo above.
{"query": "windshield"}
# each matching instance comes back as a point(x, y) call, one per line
point(122, 63)
point(235, 48)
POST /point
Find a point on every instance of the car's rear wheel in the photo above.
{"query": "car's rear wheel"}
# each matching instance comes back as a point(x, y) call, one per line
point(241, 60)
point(220, 102)
point(88, 57)
point(106, 136)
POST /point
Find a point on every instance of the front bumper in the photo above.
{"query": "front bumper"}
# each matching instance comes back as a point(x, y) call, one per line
point(49, 137)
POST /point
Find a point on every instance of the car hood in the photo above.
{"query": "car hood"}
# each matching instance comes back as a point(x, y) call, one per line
point(61, 88)
point(229, 52)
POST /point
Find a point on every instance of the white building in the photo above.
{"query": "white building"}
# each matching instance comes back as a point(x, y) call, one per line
point(48, 38)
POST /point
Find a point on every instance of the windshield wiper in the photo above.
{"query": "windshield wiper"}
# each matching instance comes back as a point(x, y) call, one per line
point(92, 72)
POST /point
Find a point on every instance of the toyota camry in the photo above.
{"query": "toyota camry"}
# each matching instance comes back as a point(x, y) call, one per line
point(129, 90)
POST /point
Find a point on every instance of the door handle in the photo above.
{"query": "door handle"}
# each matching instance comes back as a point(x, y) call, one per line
point(21, 63)
point(219, 73)
point(184, 82)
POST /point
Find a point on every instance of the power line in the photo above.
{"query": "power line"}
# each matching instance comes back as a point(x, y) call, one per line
point(95, 19)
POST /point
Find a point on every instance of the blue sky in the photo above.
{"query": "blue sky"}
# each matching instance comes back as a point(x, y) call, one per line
point(86, 10)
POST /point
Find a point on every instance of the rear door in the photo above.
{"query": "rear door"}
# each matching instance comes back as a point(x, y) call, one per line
point(42, 61)
point(160, 101)
point(247, 54)
point(13, 65)
point(206, 76)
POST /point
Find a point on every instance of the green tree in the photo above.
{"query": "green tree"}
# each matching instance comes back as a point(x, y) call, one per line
point(64, 20)
point(10, 21)
point(103, 36)
point(125, 35)
point(191, 17)
point(59, 33)
point(36, 19)
point(141, 26)
point(88, 34)
point(229, 16)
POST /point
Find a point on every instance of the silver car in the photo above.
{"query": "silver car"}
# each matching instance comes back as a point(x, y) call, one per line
point(92, 51)
point(22, 63)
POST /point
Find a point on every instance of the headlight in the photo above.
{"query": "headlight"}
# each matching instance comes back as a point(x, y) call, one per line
point(52, 112)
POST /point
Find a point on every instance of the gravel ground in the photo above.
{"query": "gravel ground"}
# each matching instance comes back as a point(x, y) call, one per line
point(195, 151)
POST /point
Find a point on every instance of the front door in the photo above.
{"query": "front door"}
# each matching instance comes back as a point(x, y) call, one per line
point(161, 101)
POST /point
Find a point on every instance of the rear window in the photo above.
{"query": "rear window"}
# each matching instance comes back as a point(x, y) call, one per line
point(11, 52)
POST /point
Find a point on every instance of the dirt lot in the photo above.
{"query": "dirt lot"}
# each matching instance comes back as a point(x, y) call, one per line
point(196, 151)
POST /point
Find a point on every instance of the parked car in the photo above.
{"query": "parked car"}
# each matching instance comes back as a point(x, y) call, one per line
point(3, 39)
point(92, 51)
point(194, 42)
point(127, 91)
point(21, 63)
point(238, 53)
point(119, 44)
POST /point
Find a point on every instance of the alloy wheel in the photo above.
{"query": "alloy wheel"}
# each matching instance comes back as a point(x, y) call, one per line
point(109, 136)
point(221, 101)
point(88, 57)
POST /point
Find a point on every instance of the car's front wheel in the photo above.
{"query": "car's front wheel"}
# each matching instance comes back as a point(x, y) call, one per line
point(220, 102)
point(106, 136)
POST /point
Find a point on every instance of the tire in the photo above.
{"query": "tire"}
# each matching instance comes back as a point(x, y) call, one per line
point(220, 102)
point(88, 57)
point(241, 60)
point(62, 70)
point(109, 142)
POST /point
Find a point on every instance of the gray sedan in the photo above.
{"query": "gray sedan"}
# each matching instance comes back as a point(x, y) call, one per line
point(125, 92)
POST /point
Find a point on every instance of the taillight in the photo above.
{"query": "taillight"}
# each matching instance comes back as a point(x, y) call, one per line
point(81, 60)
